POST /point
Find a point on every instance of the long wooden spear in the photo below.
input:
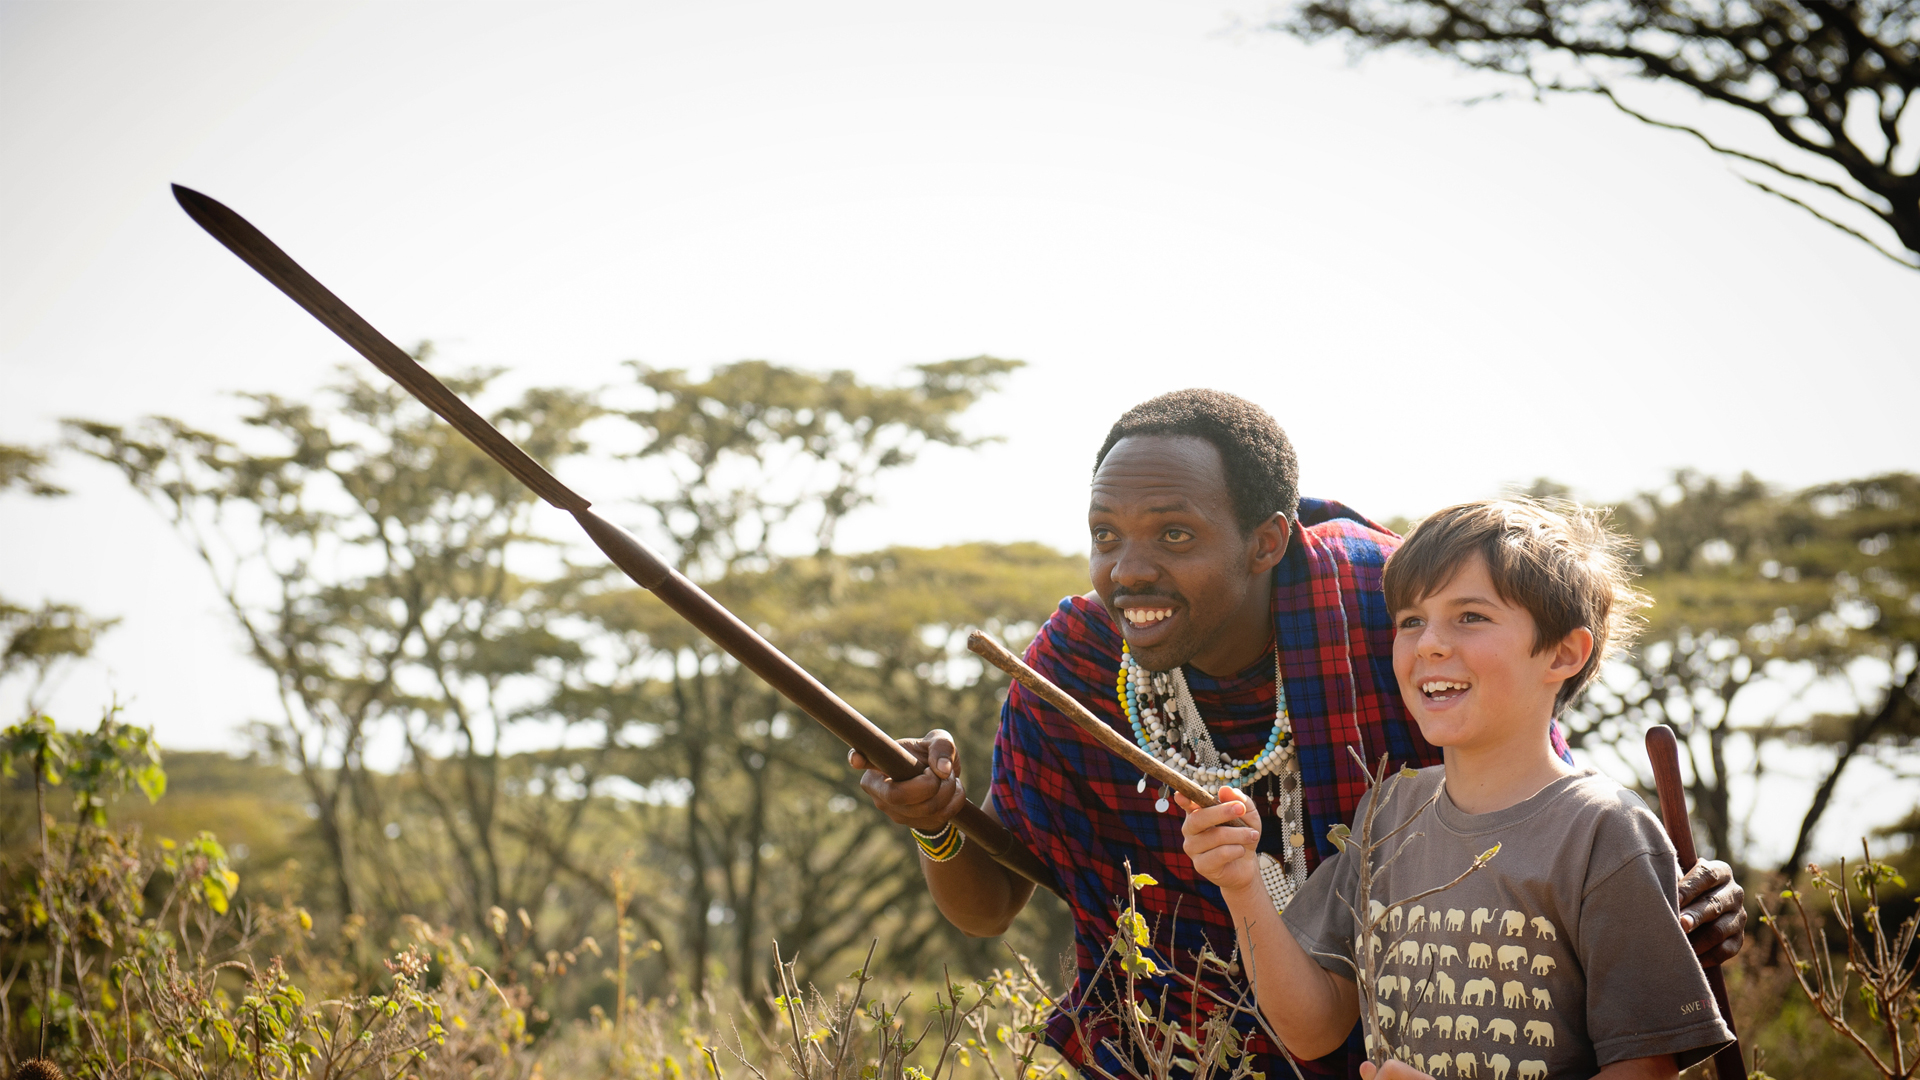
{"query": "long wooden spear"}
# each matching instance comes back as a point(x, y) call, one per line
point(645, 568)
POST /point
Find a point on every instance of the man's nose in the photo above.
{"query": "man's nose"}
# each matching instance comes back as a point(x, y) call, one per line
point(1132, 569)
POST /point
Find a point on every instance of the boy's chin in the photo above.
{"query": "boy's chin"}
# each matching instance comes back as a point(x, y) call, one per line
point(1442, 732)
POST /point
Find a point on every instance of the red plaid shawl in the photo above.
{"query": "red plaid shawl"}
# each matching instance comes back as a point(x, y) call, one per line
point(1076, 806)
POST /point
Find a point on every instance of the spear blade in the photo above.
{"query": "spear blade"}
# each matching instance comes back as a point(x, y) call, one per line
point(633, 558)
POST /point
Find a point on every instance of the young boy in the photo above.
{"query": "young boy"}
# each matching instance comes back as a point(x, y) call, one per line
point(1562, 957)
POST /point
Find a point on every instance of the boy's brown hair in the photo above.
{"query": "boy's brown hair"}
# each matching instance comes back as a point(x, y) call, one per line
point(1560, 561)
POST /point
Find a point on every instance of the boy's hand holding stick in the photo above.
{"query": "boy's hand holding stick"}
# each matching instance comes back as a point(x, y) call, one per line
point(1664, 750)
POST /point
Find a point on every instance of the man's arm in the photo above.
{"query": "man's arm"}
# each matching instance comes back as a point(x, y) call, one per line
point(975, 893)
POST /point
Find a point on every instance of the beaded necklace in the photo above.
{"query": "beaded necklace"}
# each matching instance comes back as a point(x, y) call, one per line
point(1143, 695)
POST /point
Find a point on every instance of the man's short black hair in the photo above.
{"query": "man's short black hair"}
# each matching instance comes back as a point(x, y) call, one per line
point(1263, 477)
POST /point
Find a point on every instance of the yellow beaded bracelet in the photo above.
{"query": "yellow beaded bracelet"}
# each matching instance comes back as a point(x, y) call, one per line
point(940, 846)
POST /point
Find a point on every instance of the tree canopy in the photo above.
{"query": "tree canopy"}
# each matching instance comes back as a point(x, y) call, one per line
point(1829, 83)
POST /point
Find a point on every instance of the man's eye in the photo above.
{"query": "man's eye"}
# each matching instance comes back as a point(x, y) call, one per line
point(1102, 535)
point(1178, 536)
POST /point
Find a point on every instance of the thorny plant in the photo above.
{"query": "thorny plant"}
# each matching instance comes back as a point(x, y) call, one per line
point(1210, 1043)
point(1885, 964)
point(1369, 850)
point(125, 959)
point(824, 1039)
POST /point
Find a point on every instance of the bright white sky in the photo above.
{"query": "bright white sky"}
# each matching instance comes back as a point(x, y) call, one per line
point(1434, 300)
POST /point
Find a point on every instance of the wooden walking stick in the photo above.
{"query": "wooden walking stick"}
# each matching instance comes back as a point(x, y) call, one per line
point(1664, 750)
point(645, 568)
point(996, 654)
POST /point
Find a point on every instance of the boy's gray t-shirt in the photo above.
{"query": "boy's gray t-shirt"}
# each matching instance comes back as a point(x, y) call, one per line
point(1563, 955)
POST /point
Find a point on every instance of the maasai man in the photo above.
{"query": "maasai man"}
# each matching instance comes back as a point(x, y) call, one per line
point(1256, 645)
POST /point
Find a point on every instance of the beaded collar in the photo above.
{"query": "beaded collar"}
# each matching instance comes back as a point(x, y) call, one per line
point(1143, 695)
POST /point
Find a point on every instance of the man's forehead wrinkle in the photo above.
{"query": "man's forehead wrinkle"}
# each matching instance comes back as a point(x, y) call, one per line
point(1162, 502)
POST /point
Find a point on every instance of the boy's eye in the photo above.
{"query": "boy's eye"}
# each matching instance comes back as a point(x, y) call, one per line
point(1177, 536)
point(1410, 622)
point(1473, 616)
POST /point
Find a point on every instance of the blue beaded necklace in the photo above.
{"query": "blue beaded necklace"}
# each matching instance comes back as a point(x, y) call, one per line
point(1138, 691)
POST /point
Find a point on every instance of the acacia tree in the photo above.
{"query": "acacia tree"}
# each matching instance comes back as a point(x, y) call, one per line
point(377, 565)
point(1830, 83)
point(38, 641)
point(757, 466)
point(1814, 589)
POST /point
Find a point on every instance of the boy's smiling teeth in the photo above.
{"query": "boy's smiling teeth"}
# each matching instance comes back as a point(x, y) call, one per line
point(1143, 616)
point(1436, 687)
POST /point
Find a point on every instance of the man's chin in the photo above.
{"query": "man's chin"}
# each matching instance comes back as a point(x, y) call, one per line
point(1161, 656)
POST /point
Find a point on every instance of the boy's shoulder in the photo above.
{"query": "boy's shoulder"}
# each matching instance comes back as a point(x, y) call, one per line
point(1585, 814)
point(1612, 807)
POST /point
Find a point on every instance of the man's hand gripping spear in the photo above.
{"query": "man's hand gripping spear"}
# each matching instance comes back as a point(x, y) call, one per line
point(646, 569)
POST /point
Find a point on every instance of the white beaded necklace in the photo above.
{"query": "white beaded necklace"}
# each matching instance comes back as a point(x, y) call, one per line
point(1138, 689)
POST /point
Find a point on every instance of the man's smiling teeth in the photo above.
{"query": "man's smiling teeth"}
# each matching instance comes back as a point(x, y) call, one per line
point(1143, 616)
point(1440, 686)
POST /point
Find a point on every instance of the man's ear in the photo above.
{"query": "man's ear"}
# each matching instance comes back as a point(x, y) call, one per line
point(1268, 543)
point(1570, 655)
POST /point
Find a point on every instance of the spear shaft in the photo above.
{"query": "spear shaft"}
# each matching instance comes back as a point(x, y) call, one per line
point(1663, 750)
point(647, 569)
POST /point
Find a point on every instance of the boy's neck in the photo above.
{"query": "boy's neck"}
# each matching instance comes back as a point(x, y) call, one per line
point(1484, 778)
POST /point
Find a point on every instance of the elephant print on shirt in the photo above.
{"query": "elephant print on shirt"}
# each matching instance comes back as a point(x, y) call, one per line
point(1533, 1070)
point(1499, 999)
